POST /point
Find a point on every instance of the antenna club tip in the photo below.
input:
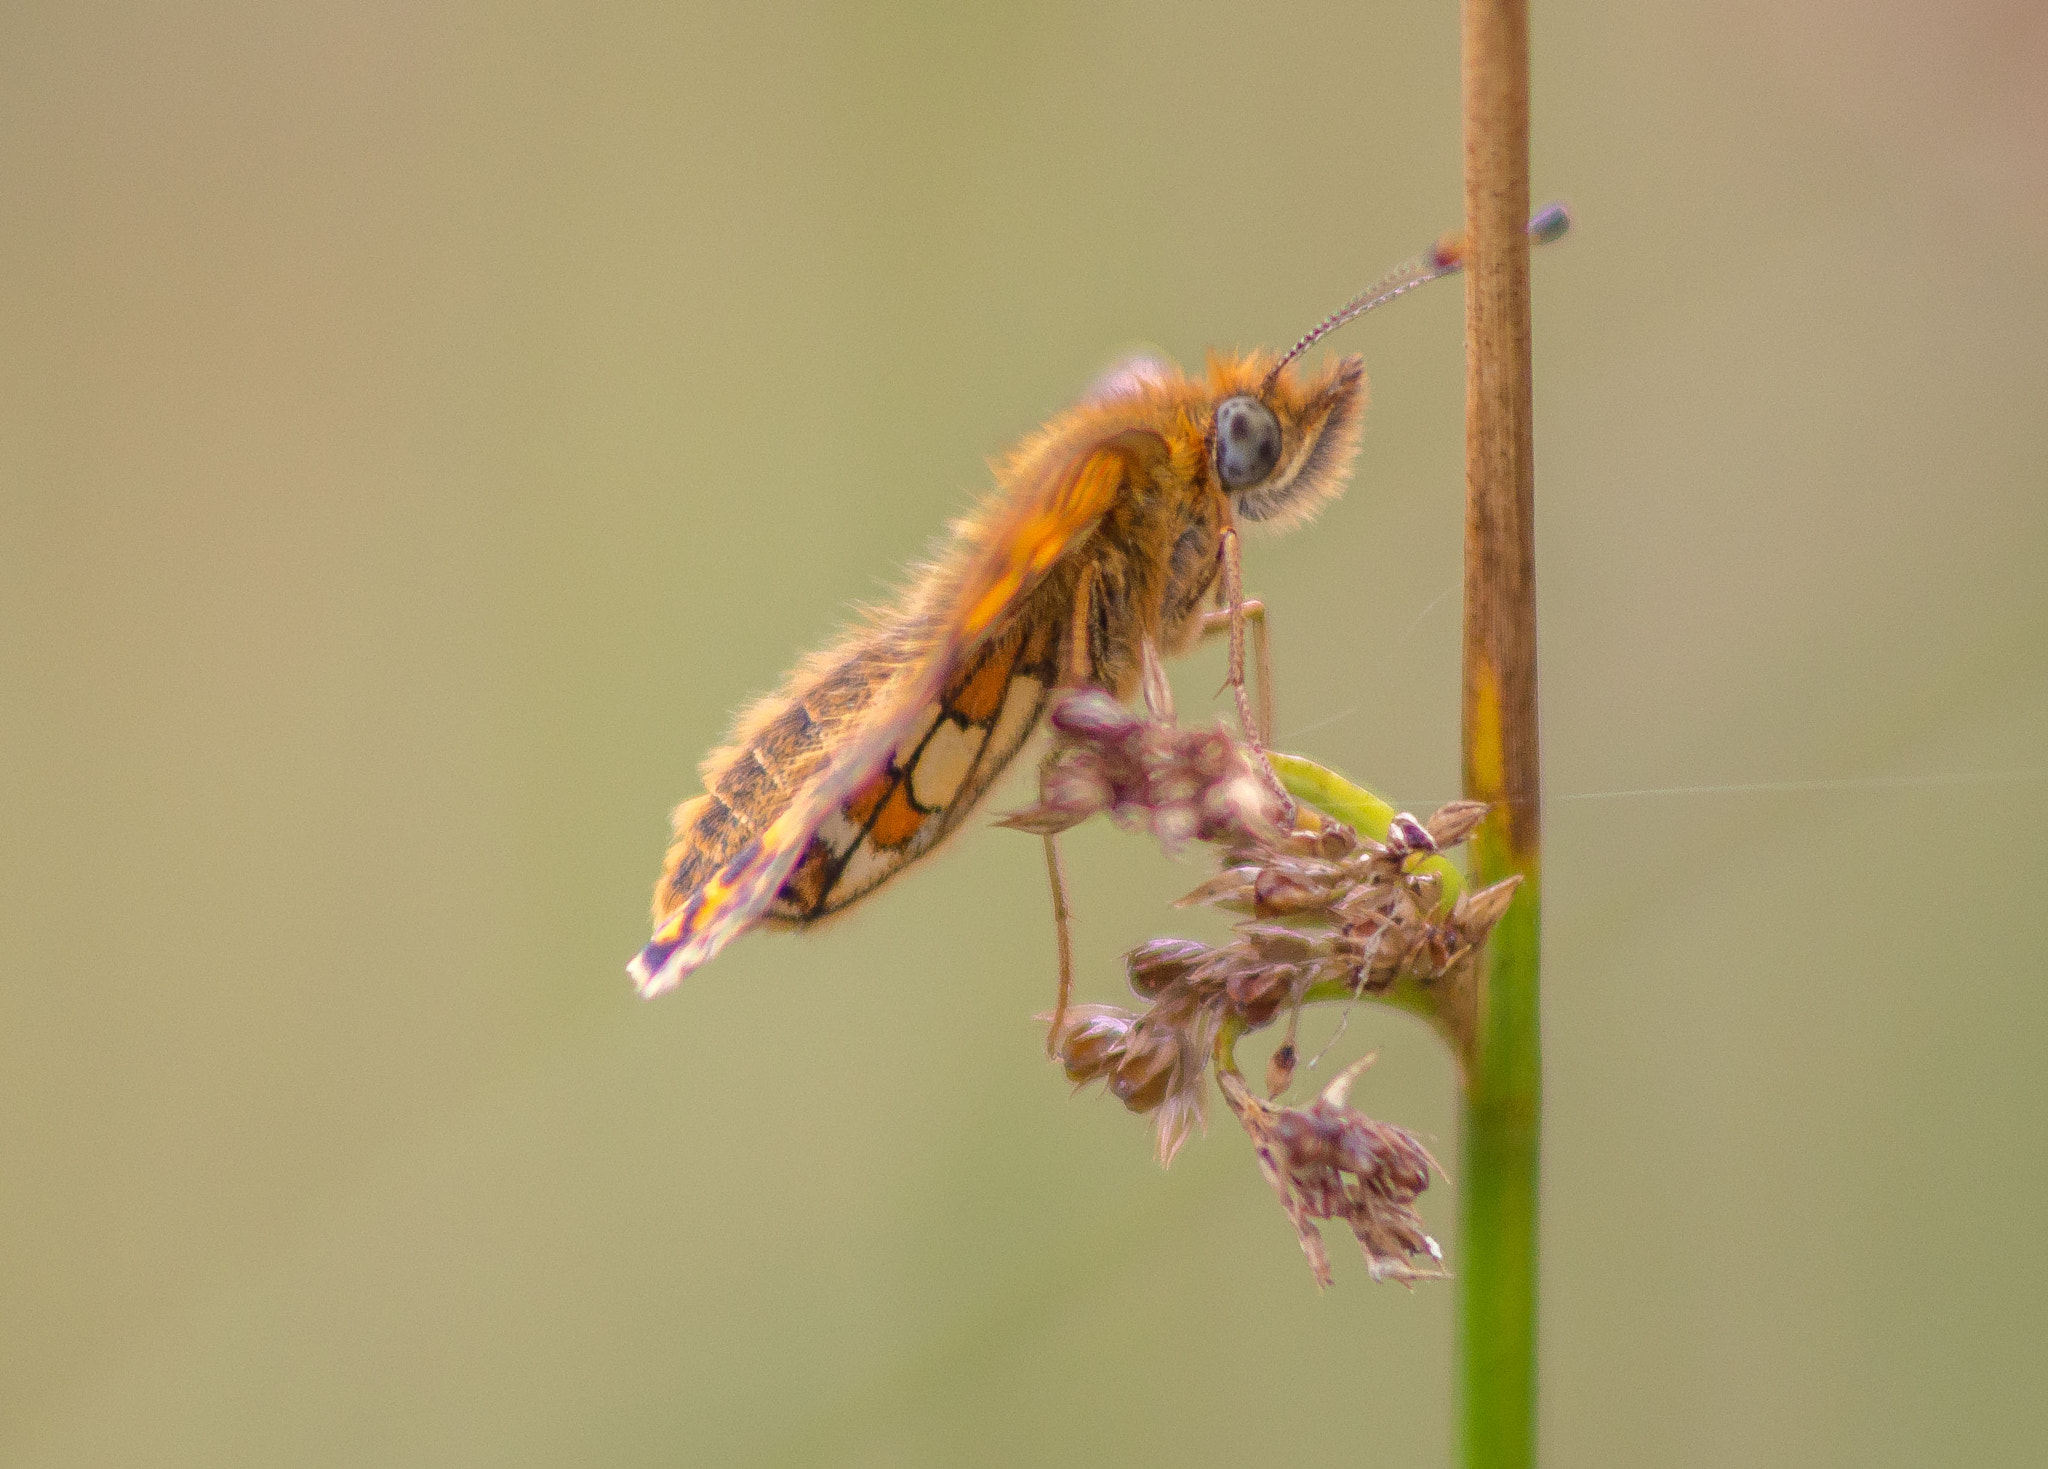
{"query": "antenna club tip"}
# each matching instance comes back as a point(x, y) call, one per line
point(1450, 252)
point(1551, 222)
point(1446, 257)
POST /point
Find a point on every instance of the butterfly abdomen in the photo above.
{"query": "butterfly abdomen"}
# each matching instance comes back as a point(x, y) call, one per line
point(778, 744)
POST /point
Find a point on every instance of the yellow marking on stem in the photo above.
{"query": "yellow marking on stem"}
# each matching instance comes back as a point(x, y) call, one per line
point(1488, 755)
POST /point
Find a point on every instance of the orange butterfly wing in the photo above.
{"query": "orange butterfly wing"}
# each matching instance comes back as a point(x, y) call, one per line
point(1038, 525)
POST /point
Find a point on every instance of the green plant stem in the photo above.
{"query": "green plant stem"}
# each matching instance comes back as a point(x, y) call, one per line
point(1365, 813)
point(1501, 1133)
point(1358, 808)
point(1404, 994)
point(1503, 1081)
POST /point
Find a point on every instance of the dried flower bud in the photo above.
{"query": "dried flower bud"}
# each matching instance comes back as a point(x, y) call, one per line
point(1077, 783)
point(1276, 891)
point(1154, 965)
point(1184, 785)
point(1406, 834)
point(1352, 912)
point(1280, 1069)
point(1258, 992)
point(1073, 788)
point(1336, 840)
point(1146, 1073)
point(1173, 825)
point(1450, 824)
point(1305, 1139)
point(1092, 716)
point(1040, 821)
point(1477, 913)
point(1173, 785)
point(1328, 1161)
point(1230, 888)
point(1432, 954)
point(1427, 886)
point(1391, 948)
point(1242, 804)
point(1276, 944)
point(1209, 753)
point(1091, 1041)
point(1386, 1158)
point(1365, 904)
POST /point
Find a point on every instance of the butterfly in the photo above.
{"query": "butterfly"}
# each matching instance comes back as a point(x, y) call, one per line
point(1111, 533)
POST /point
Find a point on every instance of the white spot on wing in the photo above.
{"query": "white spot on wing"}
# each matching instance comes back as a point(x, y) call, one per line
point(867, 865)
point(943, 765)
point(863, 870)
point(907, 746)
point(836, 832)
point(1020, 711)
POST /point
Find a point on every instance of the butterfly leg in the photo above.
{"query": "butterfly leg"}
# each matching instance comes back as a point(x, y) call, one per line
point(1216, 624)
point(1074, 675)
point(1233, 596)
point(1064, 937)
point(1153, 684)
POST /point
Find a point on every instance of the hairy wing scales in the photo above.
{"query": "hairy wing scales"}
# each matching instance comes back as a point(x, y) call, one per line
point(1038, 526)
point(996, 717)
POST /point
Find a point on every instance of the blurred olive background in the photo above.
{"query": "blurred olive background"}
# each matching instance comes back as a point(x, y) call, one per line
point(421, 426)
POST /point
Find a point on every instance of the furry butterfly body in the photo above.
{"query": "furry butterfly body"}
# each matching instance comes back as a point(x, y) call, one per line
point(1110, 535)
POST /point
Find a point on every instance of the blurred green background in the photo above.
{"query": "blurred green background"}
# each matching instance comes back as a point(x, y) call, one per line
point(420, 427)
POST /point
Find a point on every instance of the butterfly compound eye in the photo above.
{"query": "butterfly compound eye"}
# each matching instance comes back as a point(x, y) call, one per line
point(1247, 441)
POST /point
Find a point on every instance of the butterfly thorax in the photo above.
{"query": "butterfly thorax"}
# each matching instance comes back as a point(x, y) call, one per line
point(1104, 534)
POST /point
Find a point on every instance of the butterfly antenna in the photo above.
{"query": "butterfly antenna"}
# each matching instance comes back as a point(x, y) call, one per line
point(1445, 257)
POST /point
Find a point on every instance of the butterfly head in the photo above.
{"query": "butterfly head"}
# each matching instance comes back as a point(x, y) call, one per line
point(1280, 444)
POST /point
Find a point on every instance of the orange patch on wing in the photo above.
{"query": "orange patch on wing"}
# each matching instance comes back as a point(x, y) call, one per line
point(979, 698)
point(1028, 547)
point(1077, 507)
point(992, 602)
point(860, 806)
point(898, 821)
